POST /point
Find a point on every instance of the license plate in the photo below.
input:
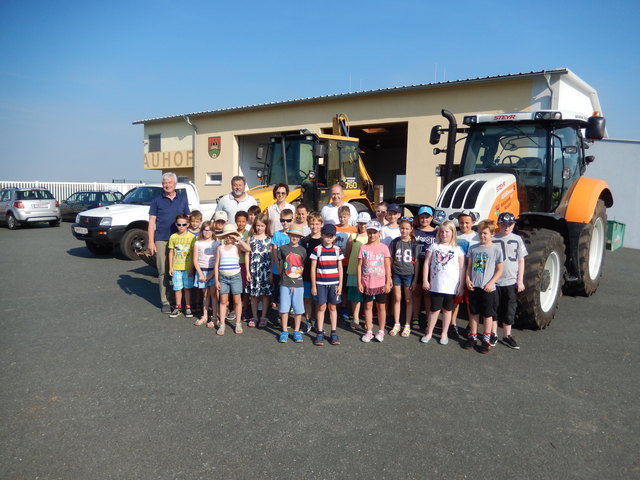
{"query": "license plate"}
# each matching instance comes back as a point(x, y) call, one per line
point(40, 205)
point(80, 230)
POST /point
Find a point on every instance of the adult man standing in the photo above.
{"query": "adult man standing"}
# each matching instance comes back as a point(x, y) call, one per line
point(237, 200)
point(330, 211)
point(162, 215)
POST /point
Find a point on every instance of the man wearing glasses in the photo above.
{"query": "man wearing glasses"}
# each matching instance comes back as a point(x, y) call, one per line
point(162, 214)
point(237, 200)
point(280, 193)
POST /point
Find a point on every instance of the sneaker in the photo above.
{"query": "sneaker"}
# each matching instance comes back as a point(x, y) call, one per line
point(493, 340)
point(188, 313)
point(231, 316)
point(485, 347)
point(166, 308)
point(319, 340)
point(367, 337)
point(380, 336)
point(175, 312)
point(510, 342)
point(283, 337)
point(305, 328)
point(453, 332)
point(470, 343)
point(297, 337)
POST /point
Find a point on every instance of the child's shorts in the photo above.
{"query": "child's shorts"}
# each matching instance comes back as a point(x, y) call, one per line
point(379, 298)
point(464, 298)
point(210, 283)
point(402, 280)
point(181, 279)
point(292, 297)
point(483, 303)
point(507, 304)
point(230, 284)
point(354, 295)
point(328, 294)
point(440, 301)
point(307, 290)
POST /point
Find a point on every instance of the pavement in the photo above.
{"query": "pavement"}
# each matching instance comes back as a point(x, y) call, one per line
point(98, 384)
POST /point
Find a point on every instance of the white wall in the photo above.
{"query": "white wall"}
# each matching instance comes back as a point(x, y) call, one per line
point(617, 163)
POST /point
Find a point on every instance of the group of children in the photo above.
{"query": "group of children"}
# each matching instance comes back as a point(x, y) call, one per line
point(305, 267)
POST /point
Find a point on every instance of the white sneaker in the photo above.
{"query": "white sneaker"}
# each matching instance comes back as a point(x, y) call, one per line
point(380, 336)
point(367, 337)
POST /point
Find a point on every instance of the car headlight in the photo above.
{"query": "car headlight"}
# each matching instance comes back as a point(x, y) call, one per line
point(78, 218)
point(105, 222)
point(440, 216)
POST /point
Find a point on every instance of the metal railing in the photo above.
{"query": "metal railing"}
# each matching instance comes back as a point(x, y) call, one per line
point(62, 190)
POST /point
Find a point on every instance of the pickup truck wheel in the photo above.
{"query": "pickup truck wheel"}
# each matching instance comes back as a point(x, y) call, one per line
point(133, 241)
point(98, 249)
point(12, 223)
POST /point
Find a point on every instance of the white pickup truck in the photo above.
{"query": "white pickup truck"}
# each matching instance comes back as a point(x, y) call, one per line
point(125, 223)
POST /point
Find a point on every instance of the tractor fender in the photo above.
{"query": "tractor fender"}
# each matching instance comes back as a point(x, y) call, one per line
point(583, 198)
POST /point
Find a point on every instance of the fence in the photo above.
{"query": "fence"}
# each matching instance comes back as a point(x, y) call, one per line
point(61, 190)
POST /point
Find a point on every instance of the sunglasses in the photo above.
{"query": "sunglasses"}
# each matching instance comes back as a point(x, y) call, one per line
point(286, 220)
point(281, 193)
point(182, 224)
point(207, 230)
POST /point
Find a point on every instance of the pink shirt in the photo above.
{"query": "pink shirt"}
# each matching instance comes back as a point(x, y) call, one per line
point(373, 271)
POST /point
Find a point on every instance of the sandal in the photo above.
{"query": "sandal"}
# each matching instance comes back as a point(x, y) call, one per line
point(406, 331)
point(355, 325)
point(394, 331)
point(238, 328)
point(262, 323)
point(211, 324)
point(415, 324)
point(220, 329)
point(252, 322)
point(200, 321)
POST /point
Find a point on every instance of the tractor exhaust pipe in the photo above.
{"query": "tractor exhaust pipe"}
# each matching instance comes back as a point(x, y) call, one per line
point(451, 145)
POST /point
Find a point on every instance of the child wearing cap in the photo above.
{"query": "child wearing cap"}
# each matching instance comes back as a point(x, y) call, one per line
point(219, 221)
point(290, 258)
point(391, 230)
point(326, 282)
point(227, 275)
point(356, 240)
point(511, 282)
point(374, 280)
point(425, 236)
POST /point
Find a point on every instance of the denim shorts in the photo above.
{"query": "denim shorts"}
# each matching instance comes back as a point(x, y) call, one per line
point(327, 294)
point(402, 280)
point(231, 284)
point(290, 296)
point(181, 279)
point(210, 283)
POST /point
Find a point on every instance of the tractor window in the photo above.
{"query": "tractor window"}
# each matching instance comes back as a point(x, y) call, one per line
point(566, 161)
point(299, 162)
point(343, 164)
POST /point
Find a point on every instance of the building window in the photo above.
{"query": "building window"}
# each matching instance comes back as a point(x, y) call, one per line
point(154, 143)
point(214, 178)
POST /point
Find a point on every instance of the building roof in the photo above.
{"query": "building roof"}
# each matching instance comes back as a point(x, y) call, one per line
point(406, 88)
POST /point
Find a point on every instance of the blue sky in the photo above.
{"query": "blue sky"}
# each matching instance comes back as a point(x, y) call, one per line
point(75, 75)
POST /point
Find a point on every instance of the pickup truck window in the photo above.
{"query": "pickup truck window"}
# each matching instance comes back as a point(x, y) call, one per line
point(144, 195)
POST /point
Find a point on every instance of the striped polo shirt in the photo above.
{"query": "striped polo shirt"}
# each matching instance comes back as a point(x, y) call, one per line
point(327, 266)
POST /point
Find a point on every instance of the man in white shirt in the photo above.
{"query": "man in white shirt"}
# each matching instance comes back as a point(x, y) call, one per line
point(237, 200)
point(329, 212)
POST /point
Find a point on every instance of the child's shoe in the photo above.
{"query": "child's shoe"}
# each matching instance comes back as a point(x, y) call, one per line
point(510, 342)
point(380, 336)
point(283, 337)
point(485, 347)
point(176, 312)
point(367, 337)
point(493, 340)
point(319, 340)
point(406, 331)
point(297, 337)
point(335, 340)
point(187, 311)
point(470, 343)
point(394, 331)
point(425, 339)
point(453, 332)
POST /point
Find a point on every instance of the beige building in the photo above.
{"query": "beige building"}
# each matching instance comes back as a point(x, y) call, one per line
point(393, 127)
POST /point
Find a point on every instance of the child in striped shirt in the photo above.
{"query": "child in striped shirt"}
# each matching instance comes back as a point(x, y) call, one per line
point(326, 282)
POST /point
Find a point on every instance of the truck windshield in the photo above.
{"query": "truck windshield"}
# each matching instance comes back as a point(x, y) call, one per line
point(299, 161)
point(522, 147)
point(144, 195)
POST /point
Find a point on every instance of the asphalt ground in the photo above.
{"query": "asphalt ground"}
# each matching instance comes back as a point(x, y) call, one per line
point(96, 383)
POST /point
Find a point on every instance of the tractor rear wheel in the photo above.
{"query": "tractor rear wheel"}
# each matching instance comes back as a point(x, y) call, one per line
point(591, 247)
point(543, 278)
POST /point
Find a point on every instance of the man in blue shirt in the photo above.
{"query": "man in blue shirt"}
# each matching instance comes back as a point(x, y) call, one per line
point(162, 214)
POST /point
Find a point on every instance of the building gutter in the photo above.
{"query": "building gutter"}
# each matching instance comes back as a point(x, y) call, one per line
point(193, 143)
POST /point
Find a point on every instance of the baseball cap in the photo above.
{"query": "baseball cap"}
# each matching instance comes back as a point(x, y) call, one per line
point(507, 217)
point(363, 217)
point(220, 215)
point(394, 207)
point(426, 209)
point(296, 229)
point(328, 229)
point(374, 225)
